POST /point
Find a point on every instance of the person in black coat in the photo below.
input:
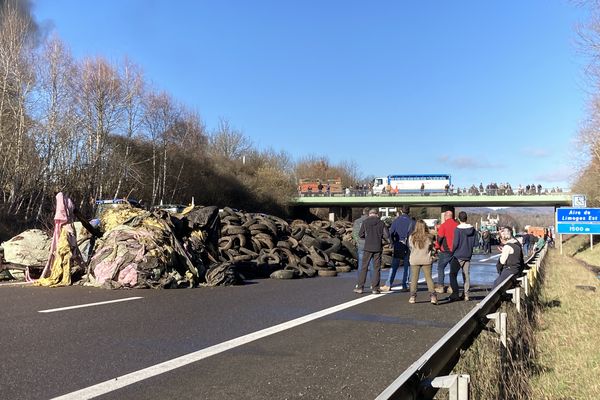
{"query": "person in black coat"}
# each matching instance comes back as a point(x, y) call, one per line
point(372, 230)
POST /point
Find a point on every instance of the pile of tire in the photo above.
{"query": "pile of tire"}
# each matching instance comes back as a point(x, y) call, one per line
point(261, 245)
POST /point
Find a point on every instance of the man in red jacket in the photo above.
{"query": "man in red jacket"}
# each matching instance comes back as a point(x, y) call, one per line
point(443, 245)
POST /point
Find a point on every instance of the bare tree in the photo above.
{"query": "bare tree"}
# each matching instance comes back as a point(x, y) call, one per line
point(56, 136)
point(228, 143)
point(589, 134)
point(101, 99)
point(160, 117)
point(133, 87)
point(188, 135)
point(16, 83)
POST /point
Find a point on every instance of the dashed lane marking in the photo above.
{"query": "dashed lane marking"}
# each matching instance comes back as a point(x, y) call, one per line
point(89, 305)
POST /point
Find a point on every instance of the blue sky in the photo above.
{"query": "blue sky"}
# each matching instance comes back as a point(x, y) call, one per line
point(483, 90)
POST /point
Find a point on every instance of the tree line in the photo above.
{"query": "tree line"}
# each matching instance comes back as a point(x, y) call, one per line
point(587, 180)
point(99, 129)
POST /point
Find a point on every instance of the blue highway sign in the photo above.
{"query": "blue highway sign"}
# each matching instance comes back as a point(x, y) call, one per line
point(578, 228)
point(578, 215)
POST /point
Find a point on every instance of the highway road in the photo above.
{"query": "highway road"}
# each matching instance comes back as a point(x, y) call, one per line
point(268, 339)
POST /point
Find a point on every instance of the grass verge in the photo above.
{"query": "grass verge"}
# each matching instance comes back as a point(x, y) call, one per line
point(568, 332)
point(553, 350)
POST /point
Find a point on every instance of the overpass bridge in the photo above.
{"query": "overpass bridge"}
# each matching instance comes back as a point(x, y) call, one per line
point(542, 200)
point(342, 205)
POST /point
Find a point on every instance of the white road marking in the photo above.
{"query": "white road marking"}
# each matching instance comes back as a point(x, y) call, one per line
point(89, 304)
point(142, 374)
point(15, 283)
point(490, 258)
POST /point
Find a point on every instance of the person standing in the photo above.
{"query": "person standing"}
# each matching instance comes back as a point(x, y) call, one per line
point(443, 244)
point(373, 230)
point(422, 188)
point(511, 259)
point(526, 242)
point(462, 251)
point(360, 243)
point(420, 244)
point(485, 236)
point(539, 243)
point(400, 230)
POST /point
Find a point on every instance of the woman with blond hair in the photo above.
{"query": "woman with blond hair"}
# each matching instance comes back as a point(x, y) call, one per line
point(420, 243)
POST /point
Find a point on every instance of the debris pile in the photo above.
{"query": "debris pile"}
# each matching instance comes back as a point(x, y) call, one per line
point(198, 246)
point(260, 245)
point(153, 249)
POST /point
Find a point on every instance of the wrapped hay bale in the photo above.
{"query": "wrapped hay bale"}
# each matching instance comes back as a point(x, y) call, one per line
point(29, 248)
point(141, 250)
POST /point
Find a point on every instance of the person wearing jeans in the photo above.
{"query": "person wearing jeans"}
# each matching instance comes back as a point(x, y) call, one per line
point(400, 230)
point(397, 256)
point(462, 251)
point(443, 244)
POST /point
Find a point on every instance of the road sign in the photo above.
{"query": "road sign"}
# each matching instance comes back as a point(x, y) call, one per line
point(579, 200)
point(582, 229)
point(578, 215)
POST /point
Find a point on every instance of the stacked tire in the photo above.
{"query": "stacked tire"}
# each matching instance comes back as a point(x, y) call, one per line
point(260, 245)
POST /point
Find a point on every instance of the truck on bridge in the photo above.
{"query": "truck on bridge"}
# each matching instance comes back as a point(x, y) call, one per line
point(311, 186)
point(415, 183)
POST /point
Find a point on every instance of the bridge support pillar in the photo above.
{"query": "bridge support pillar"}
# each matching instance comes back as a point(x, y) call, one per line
point(340, 212)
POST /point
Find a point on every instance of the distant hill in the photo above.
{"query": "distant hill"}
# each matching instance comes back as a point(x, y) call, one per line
point(516, 217)
point(510, 210)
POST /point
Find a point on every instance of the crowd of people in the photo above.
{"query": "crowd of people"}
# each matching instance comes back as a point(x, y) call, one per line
point(491, 189)
point(416, 249)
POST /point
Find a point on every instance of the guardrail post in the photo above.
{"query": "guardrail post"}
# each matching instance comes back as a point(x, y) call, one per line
point(457, 385)
point(499, 319)
point(530, 277)
point(516, 297)
point(524, 284)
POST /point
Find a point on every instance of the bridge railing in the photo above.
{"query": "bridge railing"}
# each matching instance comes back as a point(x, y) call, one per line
point(423, 378)
point(455, 192)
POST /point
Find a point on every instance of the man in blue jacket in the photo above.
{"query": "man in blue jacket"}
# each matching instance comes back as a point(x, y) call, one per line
point(400, 230)
point(462, 250)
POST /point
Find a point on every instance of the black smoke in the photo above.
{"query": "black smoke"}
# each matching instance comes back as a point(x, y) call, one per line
point(25, 9)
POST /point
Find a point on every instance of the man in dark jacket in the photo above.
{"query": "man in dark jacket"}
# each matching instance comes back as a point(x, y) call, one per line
point(400, 230)
point(462, 250)
point(373, 231)
point(360, 243)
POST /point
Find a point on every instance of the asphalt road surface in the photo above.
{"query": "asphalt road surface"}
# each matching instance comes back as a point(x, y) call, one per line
point(268, 339)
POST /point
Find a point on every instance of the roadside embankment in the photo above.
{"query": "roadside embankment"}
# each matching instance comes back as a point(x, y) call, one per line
point(567, 334)
point(552, 347)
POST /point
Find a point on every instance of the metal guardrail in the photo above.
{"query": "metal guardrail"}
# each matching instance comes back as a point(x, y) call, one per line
point(415, 382)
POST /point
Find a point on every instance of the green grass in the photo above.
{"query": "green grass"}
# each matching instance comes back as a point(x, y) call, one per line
point(554, 343)
point(568, 337)
point(579, 247)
